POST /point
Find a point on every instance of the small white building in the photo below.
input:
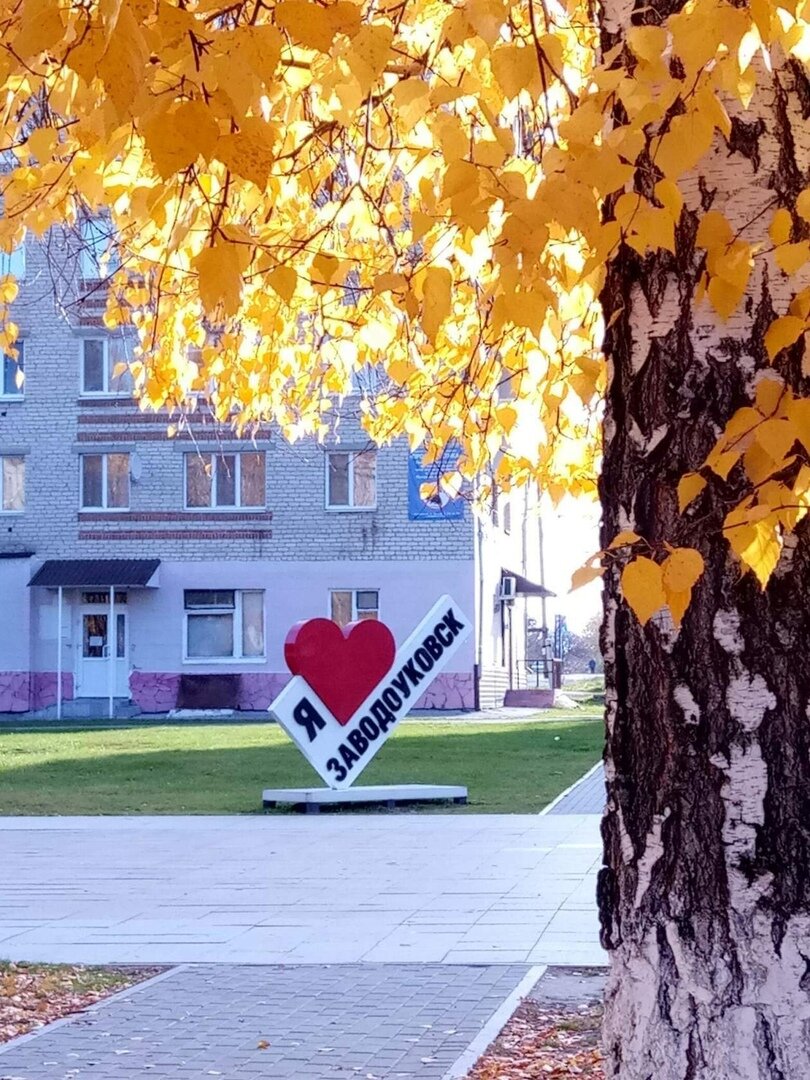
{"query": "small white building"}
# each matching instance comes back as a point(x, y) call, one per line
point(147, 573)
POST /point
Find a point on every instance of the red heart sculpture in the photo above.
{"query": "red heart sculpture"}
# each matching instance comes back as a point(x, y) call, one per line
point(341, 666)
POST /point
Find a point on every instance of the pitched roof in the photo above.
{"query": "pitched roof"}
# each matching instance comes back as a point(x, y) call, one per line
point(525, 587)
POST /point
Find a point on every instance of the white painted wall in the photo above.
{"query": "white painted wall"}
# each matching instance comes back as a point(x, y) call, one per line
point(15, 617)
point(294, 591)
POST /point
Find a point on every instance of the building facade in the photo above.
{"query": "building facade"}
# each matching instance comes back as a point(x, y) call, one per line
point(156, 573)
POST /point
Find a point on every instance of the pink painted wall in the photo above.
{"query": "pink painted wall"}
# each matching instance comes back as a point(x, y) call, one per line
point(23, 690)
point(156, 691)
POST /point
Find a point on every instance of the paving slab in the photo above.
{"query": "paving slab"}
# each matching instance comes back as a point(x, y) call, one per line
point(309, 1022)
point(421, 888)
point(586, 796)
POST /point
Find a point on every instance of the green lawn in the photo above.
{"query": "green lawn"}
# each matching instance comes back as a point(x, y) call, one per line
point(222, 769)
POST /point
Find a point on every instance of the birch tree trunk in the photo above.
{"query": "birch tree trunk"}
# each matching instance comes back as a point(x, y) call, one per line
point(705, 896)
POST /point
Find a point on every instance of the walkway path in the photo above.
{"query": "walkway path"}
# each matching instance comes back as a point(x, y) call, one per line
point(292, 1023)
point(301, 890)
point(587, 796)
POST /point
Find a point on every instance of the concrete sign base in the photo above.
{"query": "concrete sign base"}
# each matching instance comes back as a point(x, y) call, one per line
point(390, 795)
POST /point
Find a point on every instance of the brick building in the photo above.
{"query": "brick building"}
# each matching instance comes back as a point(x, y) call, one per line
point(134, 566)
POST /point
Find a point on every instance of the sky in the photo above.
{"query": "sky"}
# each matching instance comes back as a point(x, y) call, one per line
point(570, 537)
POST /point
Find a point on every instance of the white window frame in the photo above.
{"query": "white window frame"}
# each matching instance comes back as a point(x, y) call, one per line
point(19, 391)
point(108, 370)
point(350, 507)
point(236, 612)
point(354, 592)
point(13, 262)
point(3, 511)
point(217, 455)
point(104, 455)
point(91, 253)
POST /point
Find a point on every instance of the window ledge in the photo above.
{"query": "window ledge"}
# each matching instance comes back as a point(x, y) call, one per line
point(199, 661)
point(351, 509)
point(107, 394)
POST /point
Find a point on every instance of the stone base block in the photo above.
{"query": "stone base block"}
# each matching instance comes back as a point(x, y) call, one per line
point(540, 698)
point(310, 800)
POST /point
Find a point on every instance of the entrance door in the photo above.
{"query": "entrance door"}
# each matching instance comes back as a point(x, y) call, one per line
point(94, 661)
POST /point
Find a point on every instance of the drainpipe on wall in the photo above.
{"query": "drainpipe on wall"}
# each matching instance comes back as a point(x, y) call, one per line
point(59, 653)
point(112, 649)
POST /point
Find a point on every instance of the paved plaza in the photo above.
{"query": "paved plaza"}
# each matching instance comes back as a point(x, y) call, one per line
point(336, 889)
point(291, 1023)
point(384, 947)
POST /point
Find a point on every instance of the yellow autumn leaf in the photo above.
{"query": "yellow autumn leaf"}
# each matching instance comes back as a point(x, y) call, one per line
point(584, 575)
point(412, 99)
point(648, 42)
point(678, 602)
point(682, 147)
point(643, 587)
point(689, 487)
point(714, 230)
point(9, 289)
point(776, 437)
point(220, 277)
point(314, 25)
point(371, 48)
point(782, 333)
point(627, 536)
point(781, 226)
point(283, 281)
point(41, 28)
point(799, 413)
point(669, 195)
point(791, 257)
point(681, 569)
point(251, 151)
point(803, 204)
point(758, 547)
point(515, 67)
point(436, 299)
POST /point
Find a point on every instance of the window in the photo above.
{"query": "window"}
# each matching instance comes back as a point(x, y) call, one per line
point(224, 624)
point(225, 481)
point(98, 257)
point(105, 481)
point(354, 605)
point(13, 373)
point(507, 517)
point(351, 480)
point(12, 484)
point(13, 263)
point(102, 371)
point(370, 379)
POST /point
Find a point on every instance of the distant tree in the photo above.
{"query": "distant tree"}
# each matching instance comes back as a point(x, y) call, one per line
point(584, 647)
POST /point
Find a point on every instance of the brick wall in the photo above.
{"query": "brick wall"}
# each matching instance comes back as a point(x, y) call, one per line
point(53, 423)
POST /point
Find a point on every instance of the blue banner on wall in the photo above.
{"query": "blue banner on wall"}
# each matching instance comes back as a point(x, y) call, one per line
point(441, 507)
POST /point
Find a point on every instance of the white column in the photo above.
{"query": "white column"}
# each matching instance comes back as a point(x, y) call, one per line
point(112, 643)
point(59, 653)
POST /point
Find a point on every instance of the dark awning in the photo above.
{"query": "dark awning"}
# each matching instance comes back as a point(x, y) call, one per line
point(524, 587)
point(95, 573)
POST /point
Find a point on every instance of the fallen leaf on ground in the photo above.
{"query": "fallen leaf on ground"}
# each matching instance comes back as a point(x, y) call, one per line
point(32, 995)
point(543, 1042)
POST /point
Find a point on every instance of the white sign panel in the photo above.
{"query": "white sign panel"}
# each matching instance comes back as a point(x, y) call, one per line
point(340, 752)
